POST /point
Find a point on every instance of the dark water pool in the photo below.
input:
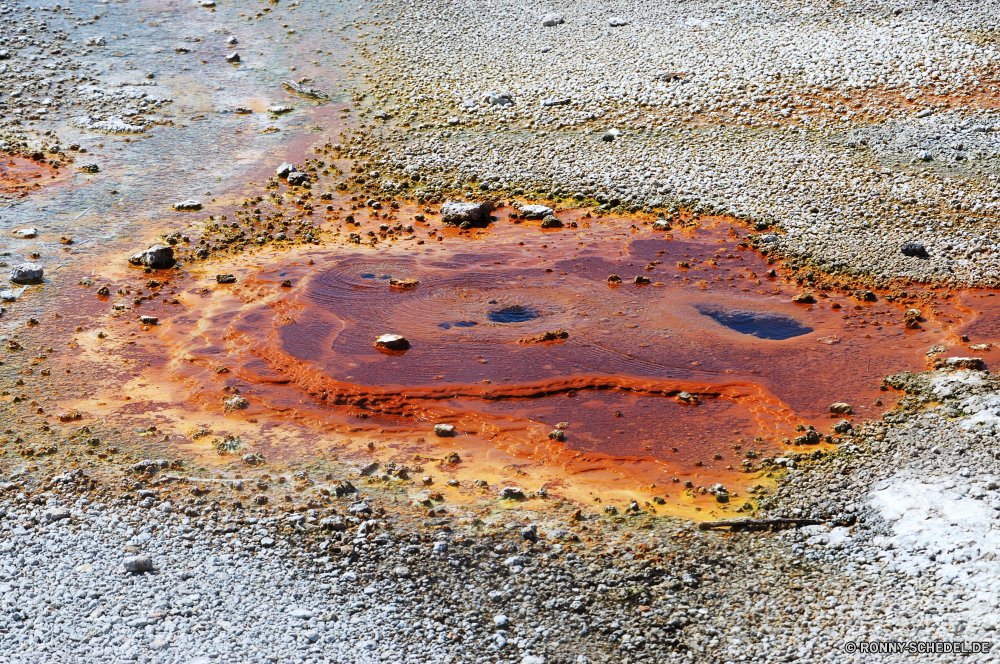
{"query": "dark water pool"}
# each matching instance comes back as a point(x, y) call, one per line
point(760, 324)
point(512, 314)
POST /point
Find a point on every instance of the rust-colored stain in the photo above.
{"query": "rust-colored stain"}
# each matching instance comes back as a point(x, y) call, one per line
point(693, 377)
point(20, 176)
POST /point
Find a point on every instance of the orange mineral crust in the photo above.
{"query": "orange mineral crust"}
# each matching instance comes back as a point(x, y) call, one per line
point(515, 334)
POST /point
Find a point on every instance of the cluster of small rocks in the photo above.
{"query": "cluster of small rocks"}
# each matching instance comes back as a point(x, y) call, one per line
point(43, 79)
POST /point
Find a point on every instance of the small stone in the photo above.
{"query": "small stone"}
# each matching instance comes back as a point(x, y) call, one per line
point(225, 279)
point(610, 135)
point(26, 273)
point(535, 211)
point(138, 564)
point(500, 620)
point(974, 363)
point(840, 408)
point(25, 233)
point(913, 249)
point(511, 493)
point(56, 514)
point(530, 533)
point(233, 57)
point(552, 19)
point(297, 178)
point(617, 22)
point(282, 171)
point(392, 342)
point(551, 221)
point(149, 320)
point(444, 430)
point(188, 205)
point(558, 434)
point(252, 459)
point(242, 110)
point(804, 298)
point(454, 213)
point(89, 168)
point(235, 403)
point(157, 257)
point(842, 427)
point(661, 225)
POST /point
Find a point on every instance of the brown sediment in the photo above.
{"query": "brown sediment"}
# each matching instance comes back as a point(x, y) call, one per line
point(19, 176)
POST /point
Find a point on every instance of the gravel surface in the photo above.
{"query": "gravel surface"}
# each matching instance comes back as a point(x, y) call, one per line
point(854, 129)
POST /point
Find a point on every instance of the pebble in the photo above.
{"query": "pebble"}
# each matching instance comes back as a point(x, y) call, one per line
point(188, 205)
point(158, 257)
point(392, 342)
point(26, 273)
point(444, 430)
point(138, 564)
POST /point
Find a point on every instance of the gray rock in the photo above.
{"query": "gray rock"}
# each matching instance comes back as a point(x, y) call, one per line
point(25, 233)
point(138, 564)
point(561, 101)
point(149, 320)
point(56, 514)
point(157, 257)
point(617, 22)
point(535, 211)
point(233, 57)
point(283, 170)
point(189, 205)
point(26, 273)
point(511, 493)
point(552, 19)
point(610, 135)
point(455, 213)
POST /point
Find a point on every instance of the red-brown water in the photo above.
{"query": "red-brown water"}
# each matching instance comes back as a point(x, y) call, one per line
point(719, 329)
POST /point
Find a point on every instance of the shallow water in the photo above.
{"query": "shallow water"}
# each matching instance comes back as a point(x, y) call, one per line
point(758, 363)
